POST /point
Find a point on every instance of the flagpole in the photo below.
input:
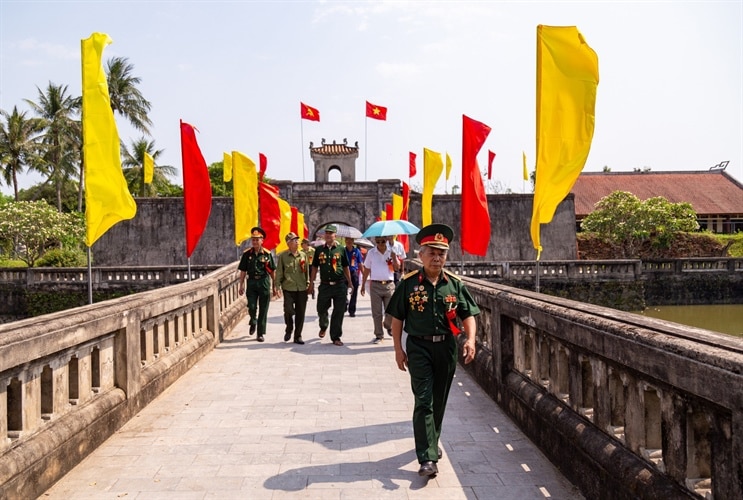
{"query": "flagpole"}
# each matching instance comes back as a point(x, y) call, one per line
point(366, 146)
point(189, 268)
point(90, 279)
point(301, 134)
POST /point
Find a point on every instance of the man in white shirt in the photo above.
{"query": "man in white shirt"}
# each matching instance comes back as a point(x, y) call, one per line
point(380, 264)
point(399, 250)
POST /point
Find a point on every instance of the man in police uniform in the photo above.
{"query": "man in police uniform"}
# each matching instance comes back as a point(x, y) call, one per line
point(426, 304)
point(335, 279)
point(258, 265)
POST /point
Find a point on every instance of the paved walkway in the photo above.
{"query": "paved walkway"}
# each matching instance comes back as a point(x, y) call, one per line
point(278, 420)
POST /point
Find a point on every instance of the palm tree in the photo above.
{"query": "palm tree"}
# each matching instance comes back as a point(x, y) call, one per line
point(132, 160)
point(126, 99)
point(19, 145)
point(58, 111)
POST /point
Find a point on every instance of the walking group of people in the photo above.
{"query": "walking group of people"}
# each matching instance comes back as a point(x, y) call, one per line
point(422, 310)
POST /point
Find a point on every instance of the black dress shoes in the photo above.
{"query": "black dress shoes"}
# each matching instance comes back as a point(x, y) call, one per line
point(428, 469)
point(299, 340)
point(260, 338)
point(287, 336)
point(252, 329)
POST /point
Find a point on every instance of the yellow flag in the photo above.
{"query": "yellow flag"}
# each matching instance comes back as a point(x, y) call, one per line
point(383, 215)
point(567, 78)
point(526, 171)
point(286, 224)
point(245, 192)
point(448, 166)
point(149, 167)
point(432, 168)
point(300, 225)
point(107, 197)
point(226, 167)
point(396, 206)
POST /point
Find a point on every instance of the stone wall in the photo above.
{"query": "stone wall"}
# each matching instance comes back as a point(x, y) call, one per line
point(156, 236)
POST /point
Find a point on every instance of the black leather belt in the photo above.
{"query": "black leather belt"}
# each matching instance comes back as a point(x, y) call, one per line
point(332, 282)
point(256, 277)
point(382, 282)
point(431, 338)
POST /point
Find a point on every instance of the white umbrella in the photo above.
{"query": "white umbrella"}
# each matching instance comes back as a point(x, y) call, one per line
point(343, 231)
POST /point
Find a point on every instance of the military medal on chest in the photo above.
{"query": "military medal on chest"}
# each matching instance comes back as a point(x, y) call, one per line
point(418, 299)
point(451, 302)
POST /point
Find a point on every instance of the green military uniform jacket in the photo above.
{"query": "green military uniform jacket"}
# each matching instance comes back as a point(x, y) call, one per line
point(331, 262)
point(423, 307)
point(257, 267)
point(293, 271)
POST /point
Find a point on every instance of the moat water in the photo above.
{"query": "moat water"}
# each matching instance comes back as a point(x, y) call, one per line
point(726, 319)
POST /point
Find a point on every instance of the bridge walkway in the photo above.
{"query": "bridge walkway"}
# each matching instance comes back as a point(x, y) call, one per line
point(279, 420)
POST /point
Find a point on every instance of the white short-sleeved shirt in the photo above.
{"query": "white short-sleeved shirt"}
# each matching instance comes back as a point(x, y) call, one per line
point(376, 263)
point(399, 249)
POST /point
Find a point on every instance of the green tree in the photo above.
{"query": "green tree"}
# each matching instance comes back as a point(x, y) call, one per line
point(216, 177)
point(19, 145)
point(35, 226)
point(132, 160)
point(126, 98)
point(626, 222)
point(62, 135)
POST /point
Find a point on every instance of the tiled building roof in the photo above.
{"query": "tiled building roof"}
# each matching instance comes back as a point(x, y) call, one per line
point(334, 149)
point(710, 192)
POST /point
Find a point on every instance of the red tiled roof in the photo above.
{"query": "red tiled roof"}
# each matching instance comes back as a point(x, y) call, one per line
point(709, 192)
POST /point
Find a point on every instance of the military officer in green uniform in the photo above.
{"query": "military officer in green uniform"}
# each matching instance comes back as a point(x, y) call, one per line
point(426, 305)
point(335, 279)
point(258, 266)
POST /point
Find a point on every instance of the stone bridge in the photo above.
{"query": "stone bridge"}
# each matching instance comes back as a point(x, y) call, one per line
point(624, 406)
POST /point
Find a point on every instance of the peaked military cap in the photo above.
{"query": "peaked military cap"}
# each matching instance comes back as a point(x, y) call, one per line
point(436, 236)
point(257, 232)
point(290, 236)
point(330, 228)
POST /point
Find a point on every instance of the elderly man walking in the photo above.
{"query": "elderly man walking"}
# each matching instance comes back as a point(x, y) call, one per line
point(257, 265)
point(379, 267)
point(330, 260)
point(426, 305)
point(293, 281)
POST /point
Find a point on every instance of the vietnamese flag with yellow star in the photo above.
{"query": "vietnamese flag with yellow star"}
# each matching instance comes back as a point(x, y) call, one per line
point(376, 112)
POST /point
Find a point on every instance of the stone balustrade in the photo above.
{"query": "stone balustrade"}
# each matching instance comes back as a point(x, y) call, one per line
point(68, 380)
point(151, 276)
point(625, 406)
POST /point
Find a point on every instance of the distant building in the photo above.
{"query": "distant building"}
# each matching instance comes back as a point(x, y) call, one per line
point(716, 197)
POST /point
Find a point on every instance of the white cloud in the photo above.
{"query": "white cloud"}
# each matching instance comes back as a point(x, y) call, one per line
point(54, 51)
point(398, 70)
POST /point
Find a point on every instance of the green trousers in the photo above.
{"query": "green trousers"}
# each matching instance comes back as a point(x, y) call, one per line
point(431, 366)
point(337, 295)
point(259, 295)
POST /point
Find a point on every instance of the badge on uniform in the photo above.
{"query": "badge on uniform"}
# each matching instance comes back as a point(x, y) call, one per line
point(418, 299)
point(451, 302)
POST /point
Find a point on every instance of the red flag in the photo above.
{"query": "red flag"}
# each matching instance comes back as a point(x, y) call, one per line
point(309, 113)
point(376, 112)
point(263, 161)
point(268, 198)
point(197, 190)
point(475, 228)
point(388, 210)
point(404, 215)
point(294, 228)
point(491, 157)
point(412, 165)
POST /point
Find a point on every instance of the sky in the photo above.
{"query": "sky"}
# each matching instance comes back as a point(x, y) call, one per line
point(670, 95)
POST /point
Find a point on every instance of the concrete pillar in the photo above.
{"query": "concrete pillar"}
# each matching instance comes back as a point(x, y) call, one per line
point(106, 364)
point(31, 400)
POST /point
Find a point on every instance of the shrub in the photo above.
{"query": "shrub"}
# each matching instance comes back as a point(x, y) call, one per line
point(62, 257)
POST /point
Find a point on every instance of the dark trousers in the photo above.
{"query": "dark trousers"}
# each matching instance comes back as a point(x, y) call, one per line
point(259, 295)
point(431, 366)
point(337, 295)
point(354, 293)
point(295, 305)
